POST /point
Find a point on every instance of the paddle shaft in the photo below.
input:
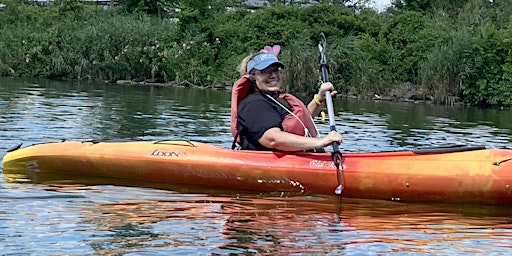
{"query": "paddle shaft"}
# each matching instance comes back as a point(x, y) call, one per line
point(330, 107)
point(336, 154)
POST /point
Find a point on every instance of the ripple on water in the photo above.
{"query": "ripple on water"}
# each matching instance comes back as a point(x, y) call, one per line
point(70, 217)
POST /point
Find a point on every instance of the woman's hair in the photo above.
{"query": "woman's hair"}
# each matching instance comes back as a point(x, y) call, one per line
point(242, 67)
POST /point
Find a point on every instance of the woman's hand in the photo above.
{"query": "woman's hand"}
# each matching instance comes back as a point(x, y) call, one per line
point(331, 137)
point(326, 87)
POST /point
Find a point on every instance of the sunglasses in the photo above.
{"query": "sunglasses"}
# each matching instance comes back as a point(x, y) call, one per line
point(269, 71)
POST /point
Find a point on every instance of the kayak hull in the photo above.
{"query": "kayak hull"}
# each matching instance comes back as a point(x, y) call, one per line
point(460, 176)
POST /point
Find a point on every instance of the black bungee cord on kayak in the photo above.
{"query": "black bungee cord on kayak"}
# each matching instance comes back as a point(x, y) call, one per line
point(336, 154)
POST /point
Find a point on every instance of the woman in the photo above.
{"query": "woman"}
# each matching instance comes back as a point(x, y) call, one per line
point(261, 118)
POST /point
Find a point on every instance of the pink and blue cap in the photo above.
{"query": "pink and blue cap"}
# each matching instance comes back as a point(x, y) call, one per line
point(267, 57)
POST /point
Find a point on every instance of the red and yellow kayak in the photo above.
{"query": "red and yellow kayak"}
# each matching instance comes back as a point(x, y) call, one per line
point(454, 174)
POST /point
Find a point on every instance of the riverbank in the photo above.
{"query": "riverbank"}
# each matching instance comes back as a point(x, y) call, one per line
point(370, 54)
point(406, 94)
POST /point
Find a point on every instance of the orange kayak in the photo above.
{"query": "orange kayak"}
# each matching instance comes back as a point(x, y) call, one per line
point(455, 174)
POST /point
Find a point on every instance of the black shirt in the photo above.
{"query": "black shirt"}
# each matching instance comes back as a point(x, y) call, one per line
point(256, 114)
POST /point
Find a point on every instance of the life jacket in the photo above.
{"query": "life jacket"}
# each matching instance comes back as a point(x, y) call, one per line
point(300, 122)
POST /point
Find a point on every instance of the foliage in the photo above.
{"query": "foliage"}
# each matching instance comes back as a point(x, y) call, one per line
point(104, 45)
point(413, 5)
point(242, 32)
point(489, 75)
point(151, 7)
point(300, 73)
point(410, 35)
point(430, 6)
point(441, 68)
point(447, 50)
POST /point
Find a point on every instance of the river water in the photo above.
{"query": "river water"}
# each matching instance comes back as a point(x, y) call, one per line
point(89, 216)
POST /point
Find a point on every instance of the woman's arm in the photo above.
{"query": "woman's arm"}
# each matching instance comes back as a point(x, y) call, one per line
point(284, 141)
point(316, 103)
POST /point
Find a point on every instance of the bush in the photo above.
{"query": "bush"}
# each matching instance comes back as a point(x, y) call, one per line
point(368, 52)
point(487, 79)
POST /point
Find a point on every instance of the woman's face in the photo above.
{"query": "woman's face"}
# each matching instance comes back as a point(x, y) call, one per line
point(269, 79)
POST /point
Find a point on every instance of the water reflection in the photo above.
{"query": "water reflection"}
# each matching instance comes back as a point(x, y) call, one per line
point(95, 111)
point(110, 220)
point(387, 126)
point(46, 110)
point(55, 215)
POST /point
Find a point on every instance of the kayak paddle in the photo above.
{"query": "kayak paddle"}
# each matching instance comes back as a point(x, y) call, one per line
point(336, 154)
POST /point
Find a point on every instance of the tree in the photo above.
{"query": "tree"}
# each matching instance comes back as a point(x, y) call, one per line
point(452, 8)
point(423, 6)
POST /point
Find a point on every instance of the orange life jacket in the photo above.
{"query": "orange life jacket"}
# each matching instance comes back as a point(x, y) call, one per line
point(296, 123)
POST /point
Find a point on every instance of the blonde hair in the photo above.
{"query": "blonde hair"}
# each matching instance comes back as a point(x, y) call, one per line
point(242, 67)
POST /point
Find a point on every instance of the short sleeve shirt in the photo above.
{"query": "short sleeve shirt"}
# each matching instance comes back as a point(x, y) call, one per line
point(257, 114)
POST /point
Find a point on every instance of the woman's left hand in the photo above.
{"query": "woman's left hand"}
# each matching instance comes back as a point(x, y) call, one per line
point(326, 87)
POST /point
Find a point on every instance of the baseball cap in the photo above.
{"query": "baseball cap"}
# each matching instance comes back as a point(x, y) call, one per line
point(262, 61)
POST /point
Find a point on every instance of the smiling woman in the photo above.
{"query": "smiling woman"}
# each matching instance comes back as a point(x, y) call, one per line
point(264, 118)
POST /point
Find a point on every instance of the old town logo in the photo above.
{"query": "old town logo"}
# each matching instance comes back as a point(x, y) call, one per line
point(323, 164)
point(168, 153)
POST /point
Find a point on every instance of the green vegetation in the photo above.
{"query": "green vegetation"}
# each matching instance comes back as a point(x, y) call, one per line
point(447, 51)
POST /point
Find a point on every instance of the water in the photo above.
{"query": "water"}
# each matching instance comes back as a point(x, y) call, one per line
point(91, 216)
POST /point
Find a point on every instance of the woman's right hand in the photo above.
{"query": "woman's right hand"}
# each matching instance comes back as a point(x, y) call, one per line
point(331, 137)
